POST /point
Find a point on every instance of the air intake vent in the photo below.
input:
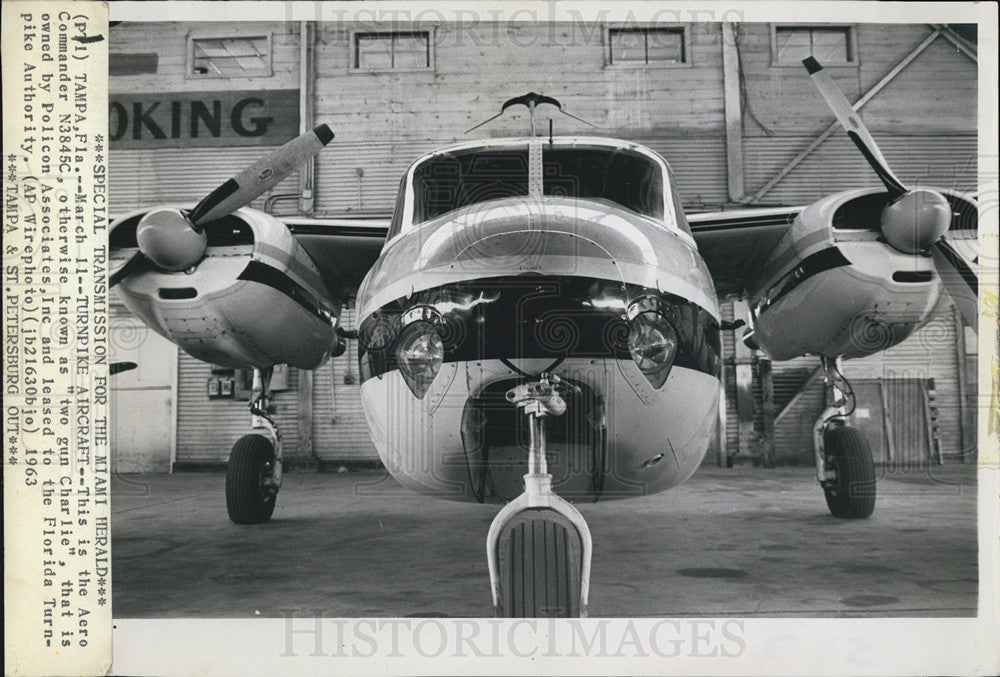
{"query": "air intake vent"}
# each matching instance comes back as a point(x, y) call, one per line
point(178, 293)
point(912, 276)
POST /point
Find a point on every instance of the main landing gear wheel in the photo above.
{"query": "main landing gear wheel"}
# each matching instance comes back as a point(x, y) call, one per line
point(851, 492)
point(250, 492)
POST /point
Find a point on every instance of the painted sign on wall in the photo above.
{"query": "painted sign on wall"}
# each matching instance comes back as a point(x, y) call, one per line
point(200, 119)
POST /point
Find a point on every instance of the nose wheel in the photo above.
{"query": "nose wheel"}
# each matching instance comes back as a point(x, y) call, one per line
point(539, 547)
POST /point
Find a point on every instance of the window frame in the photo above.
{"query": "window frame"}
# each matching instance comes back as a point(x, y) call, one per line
point(194, 36)
point(352, 45)
point(852, 44)
point(673, 218)
point(686, 50)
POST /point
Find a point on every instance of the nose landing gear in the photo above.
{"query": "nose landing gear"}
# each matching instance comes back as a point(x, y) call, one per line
point(844, 464)
point(539, 547)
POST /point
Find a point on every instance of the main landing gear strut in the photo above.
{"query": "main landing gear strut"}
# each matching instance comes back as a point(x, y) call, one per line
point(539, 547)
point(253, 475)
point(844, 465)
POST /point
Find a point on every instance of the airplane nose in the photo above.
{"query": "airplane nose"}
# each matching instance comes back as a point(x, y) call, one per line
point(520, 250)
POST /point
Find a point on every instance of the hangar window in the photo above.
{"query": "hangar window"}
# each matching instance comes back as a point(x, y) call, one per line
point(229, 57)
point(392, 51)
point(648, 46)
point(830, 45)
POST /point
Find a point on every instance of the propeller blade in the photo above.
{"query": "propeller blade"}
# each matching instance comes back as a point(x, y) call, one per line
point(960, 280)
point(133, 265)
point(119, 367)
point(260, 177)
point(853, 125)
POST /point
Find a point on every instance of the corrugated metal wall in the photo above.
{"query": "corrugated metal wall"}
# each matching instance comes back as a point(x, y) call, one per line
point(339, 429)
point(793, 432)
point(929, 353)
point(140, 178)
point(944, 161)
point(362, 177)
point(207, 429)
point(729, 339)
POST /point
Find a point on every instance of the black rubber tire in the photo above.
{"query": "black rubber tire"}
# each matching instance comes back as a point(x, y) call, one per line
point(247, 500)
point(540, 557)
point(852, 494)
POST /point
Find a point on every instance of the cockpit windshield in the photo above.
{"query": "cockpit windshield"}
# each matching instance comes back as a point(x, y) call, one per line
point(454, 179)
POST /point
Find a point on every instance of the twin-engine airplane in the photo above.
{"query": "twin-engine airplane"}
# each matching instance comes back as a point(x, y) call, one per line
point(542, 316)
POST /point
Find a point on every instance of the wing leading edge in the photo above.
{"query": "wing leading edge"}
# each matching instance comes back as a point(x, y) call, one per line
point(735, 244)
point(344, 250)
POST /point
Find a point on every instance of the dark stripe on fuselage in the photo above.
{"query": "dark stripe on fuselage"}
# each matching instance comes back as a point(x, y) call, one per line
point(743, 223)
point(821, 261)
point(274, 278)
point(374, 232)
point(534, 316)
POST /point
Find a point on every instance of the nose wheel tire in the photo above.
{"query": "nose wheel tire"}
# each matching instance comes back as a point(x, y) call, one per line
point(540, 555)
point(250, 496)
point(851, 494)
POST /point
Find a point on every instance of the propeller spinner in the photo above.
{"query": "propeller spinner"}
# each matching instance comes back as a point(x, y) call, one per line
point(916, 219)
point(171, 240)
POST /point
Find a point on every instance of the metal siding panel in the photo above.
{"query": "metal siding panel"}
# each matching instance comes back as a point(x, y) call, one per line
point(793, 433)
point(729, 339)
point(362, 177)
point(146, 178)
point(340, 432)
point(207, 429)
point(699, 165)
point(947, 161)
point(928, 353)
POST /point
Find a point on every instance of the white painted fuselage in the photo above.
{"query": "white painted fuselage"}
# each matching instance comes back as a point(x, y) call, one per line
point(559, 267)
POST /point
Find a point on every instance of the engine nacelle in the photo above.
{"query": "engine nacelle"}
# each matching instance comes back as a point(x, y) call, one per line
point(256, 298)
point(835, 287)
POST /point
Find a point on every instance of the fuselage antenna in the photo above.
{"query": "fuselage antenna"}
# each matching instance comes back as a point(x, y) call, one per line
point(530, 101)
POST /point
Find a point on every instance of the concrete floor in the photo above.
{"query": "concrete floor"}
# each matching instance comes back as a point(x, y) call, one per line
point(742, 541)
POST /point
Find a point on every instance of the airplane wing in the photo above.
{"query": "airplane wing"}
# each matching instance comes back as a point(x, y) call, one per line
point(342, 249)
point(735, 244)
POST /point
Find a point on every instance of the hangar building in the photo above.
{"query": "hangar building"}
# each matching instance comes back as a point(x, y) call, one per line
point(728, 105)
